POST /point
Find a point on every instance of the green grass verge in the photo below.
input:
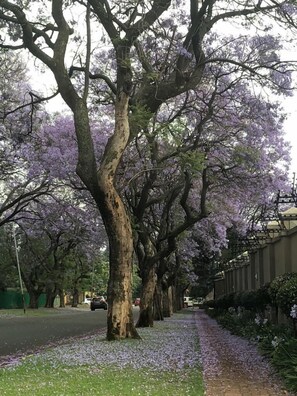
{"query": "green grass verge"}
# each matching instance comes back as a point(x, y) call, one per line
point(84, 381)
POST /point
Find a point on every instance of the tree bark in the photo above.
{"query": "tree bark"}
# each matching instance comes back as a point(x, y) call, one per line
point(50, 297)
point(158, 302)
point(75, 298)
point(33, 295)
point(120, 323)
point(146, 313)
point(62, 298)
point(33, 289)
point(167, 302)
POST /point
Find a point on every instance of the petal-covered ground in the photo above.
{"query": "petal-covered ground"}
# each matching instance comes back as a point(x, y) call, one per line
point(171, 345)
point(232, 365)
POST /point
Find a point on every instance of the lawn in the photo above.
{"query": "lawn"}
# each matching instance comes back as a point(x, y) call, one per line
point(166, 361)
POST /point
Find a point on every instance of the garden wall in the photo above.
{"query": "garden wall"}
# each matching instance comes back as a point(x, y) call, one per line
point(274, 257)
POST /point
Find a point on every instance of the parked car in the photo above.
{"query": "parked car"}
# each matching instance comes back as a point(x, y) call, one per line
point(198, 301)
point(87, 300)
point(98, 303)
point(188, 302)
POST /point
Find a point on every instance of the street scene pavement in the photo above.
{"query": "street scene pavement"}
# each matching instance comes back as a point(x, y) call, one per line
point(26, 334)
point(231, 365)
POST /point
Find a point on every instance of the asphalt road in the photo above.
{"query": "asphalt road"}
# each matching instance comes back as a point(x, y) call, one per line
point(26, 334)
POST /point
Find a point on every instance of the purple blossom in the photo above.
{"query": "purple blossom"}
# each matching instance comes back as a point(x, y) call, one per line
point(185, 53)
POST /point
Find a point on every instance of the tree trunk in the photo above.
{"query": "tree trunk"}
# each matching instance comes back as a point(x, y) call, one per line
point(75, 298)
point(34, 295)
point(167, 302)
point(120, 322)
point(146, 314)
point(158, 302)
point(62, 298)
point(33, 289)
point(50, 298)
point(176, 299)
point(101, 182)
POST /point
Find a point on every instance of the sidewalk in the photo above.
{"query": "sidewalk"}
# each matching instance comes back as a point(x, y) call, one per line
point(232, 366)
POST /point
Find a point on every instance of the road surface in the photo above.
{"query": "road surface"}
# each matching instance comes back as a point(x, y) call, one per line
point(25, 334)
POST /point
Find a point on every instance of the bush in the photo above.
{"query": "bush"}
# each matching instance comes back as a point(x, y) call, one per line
point(241, 314)
point(277, 283)
point(286, 296)
point(210, 304)
point(224, 302)
point(248, 300)
point(254, 300)
point(262, 298)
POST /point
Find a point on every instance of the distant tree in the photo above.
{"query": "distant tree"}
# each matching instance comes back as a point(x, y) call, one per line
point(8, 265)
point(57, 248)
point(18, 118)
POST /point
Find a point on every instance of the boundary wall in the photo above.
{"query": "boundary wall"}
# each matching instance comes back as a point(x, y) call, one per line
point(274, 257)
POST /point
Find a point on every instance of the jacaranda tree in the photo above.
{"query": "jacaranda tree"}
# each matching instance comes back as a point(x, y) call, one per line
point(152, 51)
point(18, 120)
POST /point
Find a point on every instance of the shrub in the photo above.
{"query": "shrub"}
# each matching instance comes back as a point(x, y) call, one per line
point(277, 283)
point(254, 300)
point(210, 304)
point(286, 296)
point(262, 298)
point(224, 302)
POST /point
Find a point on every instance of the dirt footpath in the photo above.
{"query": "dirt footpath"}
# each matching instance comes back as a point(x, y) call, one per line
point(232, 366)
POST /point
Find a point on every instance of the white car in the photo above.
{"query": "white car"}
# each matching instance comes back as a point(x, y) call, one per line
point(87, 300)
point(188, 302)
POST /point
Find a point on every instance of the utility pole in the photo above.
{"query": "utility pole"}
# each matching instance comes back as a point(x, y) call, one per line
point(19, 268)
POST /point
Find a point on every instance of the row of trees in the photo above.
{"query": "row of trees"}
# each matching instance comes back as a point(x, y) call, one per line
point(174, 131)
